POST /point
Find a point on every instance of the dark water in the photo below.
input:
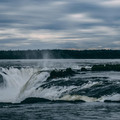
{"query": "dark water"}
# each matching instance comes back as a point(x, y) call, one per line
point(22, 79)
point(64, 111)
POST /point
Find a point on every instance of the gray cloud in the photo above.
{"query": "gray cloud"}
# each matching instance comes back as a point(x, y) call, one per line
point(50, 24)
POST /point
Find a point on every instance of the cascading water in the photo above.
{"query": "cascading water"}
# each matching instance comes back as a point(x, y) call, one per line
point(30, 87)
point(58, 91)
point(13, 80)
point(18, 84)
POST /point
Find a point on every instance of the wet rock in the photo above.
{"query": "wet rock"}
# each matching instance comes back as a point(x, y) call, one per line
point(61, 73)
point(34, 100)
point(110, 101)
point(106, 67)
point(1, 79)
point(83, 69)
point(66, 101)
point(41, 100)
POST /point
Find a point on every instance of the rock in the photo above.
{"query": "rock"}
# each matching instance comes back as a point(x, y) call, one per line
point(61, 73)
point(34, 100)
point(83, 69)
point(106, 67)
point(1, 79)
point(110, 101)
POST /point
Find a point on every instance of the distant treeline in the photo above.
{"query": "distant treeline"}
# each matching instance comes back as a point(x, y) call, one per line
point(60, 54)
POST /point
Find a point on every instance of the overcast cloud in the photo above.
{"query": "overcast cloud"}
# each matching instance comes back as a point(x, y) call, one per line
point(59, 24)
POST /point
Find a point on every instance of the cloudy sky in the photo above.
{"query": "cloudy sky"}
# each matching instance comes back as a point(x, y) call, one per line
point(61, 24)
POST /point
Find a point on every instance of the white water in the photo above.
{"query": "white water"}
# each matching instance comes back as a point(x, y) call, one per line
point(14, 80)
point(20, 84)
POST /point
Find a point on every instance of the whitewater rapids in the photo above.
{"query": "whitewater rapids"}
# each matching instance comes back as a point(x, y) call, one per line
point(17, 84)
